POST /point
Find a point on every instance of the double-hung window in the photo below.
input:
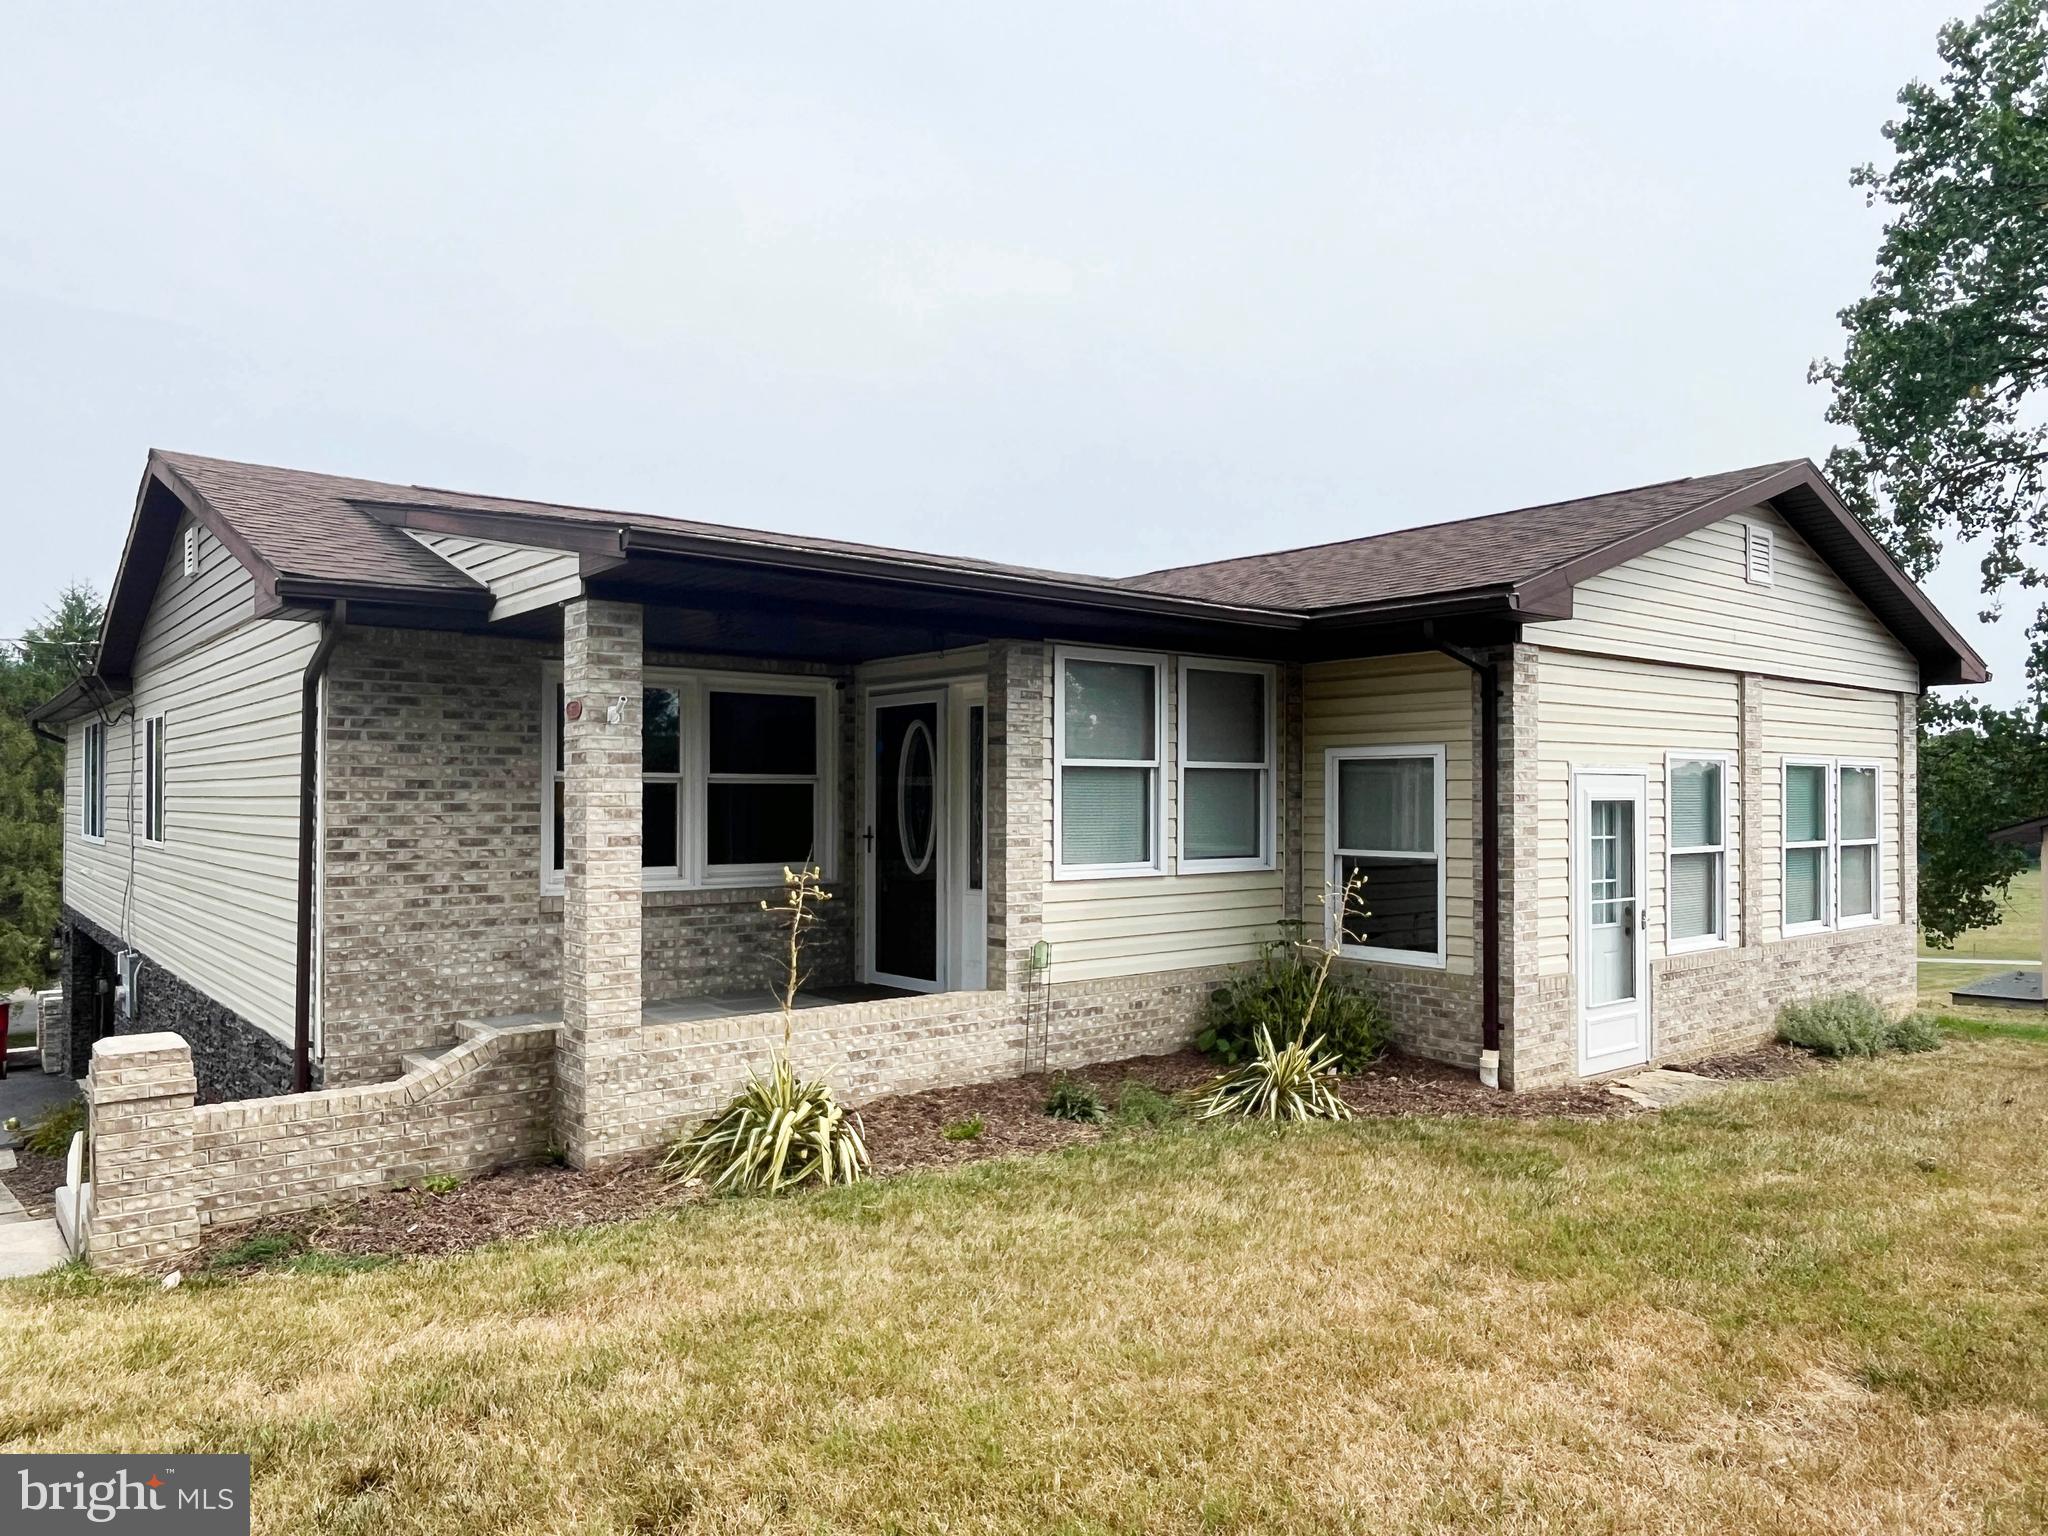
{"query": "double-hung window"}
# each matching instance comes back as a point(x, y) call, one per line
point(1108, 726)
point(1856, 842)
point(1226, 766)
point(735, 778)
point(153, 779)
point(1696, 837)
point(1384, 819)
point(92, 809)
point(1809, 844)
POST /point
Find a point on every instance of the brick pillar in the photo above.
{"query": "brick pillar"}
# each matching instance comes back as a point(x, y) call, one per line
point(1534, 1037)
point(1749, 812)
point(601, 655)
point(145, 1207)
point(1017, 807)
point(1909, 813)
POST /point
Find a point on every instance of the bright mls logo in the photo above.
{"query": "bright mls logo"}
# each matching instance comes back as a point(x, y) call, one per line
point(162, 1495)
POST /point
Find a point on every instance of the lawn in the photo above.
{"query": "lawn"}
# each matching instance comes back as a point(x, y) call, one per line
point(1812, 1305)
point(2016, 935)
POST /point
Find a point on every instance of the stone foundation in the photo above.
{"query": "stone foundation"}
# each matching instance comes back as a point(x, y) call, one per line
point(232, 1058)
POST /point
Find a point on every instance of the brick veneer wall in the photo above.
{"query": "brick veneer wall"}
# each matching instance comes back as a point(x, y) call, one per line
point(432, 912)
point(165, 1168)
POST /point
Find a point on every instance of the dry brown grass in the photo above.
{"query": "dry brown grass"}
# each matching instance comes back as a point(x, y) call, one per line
point(1814, 1305)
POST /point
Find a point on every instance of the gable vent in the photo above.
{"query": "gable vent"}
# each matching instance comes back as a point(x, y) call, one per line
point(192, 551)
point(1756, 550)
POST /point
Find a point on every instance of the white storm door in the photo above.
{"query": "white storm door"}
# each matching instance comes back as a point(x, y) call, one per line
point(1610, 948)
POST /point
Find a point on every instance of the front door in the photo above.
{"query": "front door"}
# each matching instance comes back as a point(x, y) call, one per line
point(905, 840)
point(1611, 950)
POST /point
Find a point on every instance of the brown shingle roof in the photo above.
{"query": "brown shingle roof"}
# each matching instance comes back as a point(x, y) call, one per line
point(1497, 550)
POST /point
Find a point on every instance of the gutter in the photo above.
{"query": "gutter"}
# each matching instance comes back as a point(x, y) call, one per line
point(309, 824)
point(1488, 674)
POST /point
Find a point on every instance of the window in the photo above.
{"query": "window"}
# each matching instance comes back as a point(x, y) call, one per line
point(977, 795)
point(1107, 726)
point(1857, 821)
point(153, 779)
point(1757, 553)
point(734, 778)
point(1384, 818)
point(1696, 835)
point(1808, 827)
point(92, 809)
point(1226, 766)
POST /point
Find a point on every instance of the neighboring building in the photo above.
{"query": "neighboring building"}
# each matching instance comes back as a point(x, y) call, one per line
point(553, 759)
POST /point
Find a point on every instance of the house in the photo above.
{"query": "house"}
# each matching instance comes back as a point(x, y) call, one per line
point(363, 766)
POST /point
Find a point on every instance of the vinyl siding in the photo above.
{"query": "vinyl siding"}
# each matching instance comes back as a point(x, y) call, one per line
point(520, 578)
point(1689, 602)
point(1149, 923)
point(906, 671)
point(1599, 711)
point(216, 904)
point(1415, 700)
point(1806, 720)
point(190, 610)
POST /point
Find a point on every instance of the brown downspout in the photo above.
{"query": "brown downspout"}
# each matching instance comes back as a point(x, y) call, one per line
point(1489, 851)
point(309, 826)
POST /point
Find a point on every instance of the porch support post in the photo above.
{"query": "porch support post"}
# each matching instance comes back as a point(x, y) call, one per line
point(1018, 811)
point(601, 653)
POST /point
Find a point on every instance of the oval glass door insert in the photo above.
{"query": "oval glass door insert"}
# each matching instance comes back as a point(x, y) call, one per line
point(917, 821)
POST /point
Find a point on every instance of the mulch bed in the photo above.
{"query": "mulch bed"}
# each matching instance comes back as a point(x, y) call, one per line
point(904, 1133)
point(1759, 1065)
point(34, 1180)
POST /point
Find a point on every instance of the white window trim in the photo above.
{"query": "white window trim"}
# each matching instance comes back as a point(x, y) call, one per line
point(154, 780)
point(1786, 846)
point(1874, 843)
point(1156, 865)
point(1725, 938)
point(1332, 851)
point(693, 689)
point(1268, 771)
point(92, 803)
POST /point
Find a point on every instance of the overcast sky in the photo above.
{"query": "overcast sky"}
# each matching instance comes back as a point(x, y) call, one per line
point(1100, 287)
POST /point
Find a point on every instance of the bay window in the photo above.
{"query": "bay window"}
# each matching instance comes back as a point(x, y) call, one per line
point(1226, 764)
point(1108, 723)
point(1696, 835)
point(1384, 819)
point(735, 780)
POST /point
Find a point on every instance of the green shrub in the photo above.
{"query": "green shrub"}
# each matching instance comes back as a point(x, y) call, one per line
point(52, 1134)
point(1850, 1024)
point(441, 1184)
point(969, 1129)
point(1273, 993)
point(777, 1132)
point(1074, 1098)
point(1141, 1105)
point(1295, 1081)
point(1920, 1031)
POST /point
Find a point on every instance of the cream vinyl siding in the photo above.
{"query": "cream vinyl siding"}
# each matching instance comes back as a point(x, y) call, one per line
point(1599, 711)
point(1690, 602)
point(1147, 923)
point(1415, 700)
point(929, 666)
point(1805, 720)
point(189, 610)
point(520, 578)
point(217, 903)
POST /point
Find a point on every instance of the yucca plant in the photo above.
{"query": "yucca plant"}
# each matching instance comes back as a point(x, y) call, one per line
point(780, 1130)
point(1295, 1081)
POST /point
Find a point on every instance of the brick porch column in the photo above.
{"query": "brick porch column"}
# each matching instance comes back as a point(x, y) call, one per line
point(145, 1207)
point(1017, 808)
point(601, 654)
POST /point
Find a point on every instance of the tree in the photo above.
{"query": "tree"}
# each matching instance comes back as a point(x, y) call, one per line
point(1944, 382)
point(42, 663)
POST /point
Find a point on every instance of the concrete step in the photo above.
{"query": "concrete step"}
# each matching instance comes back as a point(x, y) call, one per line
point(29, 1248)
point(419, 1061)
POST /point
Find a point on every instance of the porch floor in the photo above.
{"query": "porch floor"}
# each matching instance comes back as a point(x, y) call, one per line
point(725, 1005)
